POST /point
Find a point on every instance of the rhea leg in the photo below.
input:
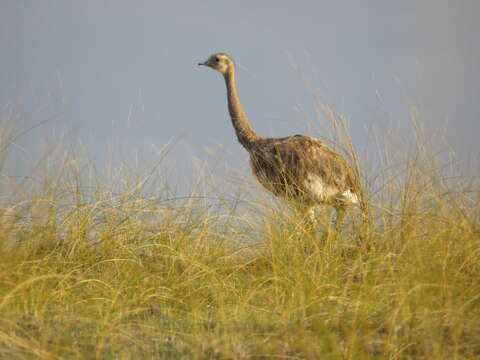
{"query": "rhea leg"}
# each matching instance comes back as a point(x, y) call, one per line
point(341, 212)
point(310, 216)
point(307, 216)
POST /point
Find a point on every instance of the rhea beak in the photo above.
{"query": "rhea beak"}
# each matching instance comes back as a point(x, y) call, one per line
point(202, 63)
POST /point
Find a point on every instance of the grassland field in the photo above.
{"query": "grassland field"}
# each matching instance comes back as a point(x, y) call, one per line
point(103, 272)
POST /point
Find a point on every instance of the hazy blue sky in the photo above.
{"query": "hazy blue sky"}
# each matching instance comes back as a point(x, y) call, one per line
point(122, 78)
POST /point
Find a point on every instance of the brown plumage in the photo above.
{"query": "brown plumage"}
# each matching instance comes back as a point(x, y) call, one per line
point(299, 168)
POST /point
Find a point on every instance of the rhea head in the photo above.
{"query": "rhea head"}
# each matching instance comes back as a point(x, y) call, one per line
point(220, 62)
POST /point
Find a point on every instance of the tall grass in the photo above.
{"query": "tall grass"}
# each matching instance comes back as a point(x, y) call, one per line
point(104, 271)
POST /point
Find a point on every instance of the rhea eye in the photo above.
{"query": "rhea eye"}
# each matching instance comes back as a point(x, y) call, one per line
point(217, 59)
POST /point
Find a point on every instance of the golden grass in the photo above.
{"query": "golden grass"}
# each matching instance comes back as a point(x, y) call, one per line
point(98, 272)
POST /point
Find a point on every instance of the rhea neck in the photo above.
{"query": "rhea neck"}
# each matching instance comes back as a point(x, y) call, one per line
point(245, 134)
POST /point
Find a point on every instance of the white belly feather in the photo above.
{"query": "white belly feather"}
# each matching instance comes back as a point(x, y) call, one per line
point(318, 191)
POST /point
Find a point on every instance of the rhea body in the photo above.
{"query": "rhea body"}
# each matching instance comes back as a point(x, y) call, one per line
point(298, 168)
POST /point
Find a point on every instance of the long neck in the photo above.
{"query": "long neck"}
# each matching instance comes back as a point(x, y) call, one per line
point(245, 134)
